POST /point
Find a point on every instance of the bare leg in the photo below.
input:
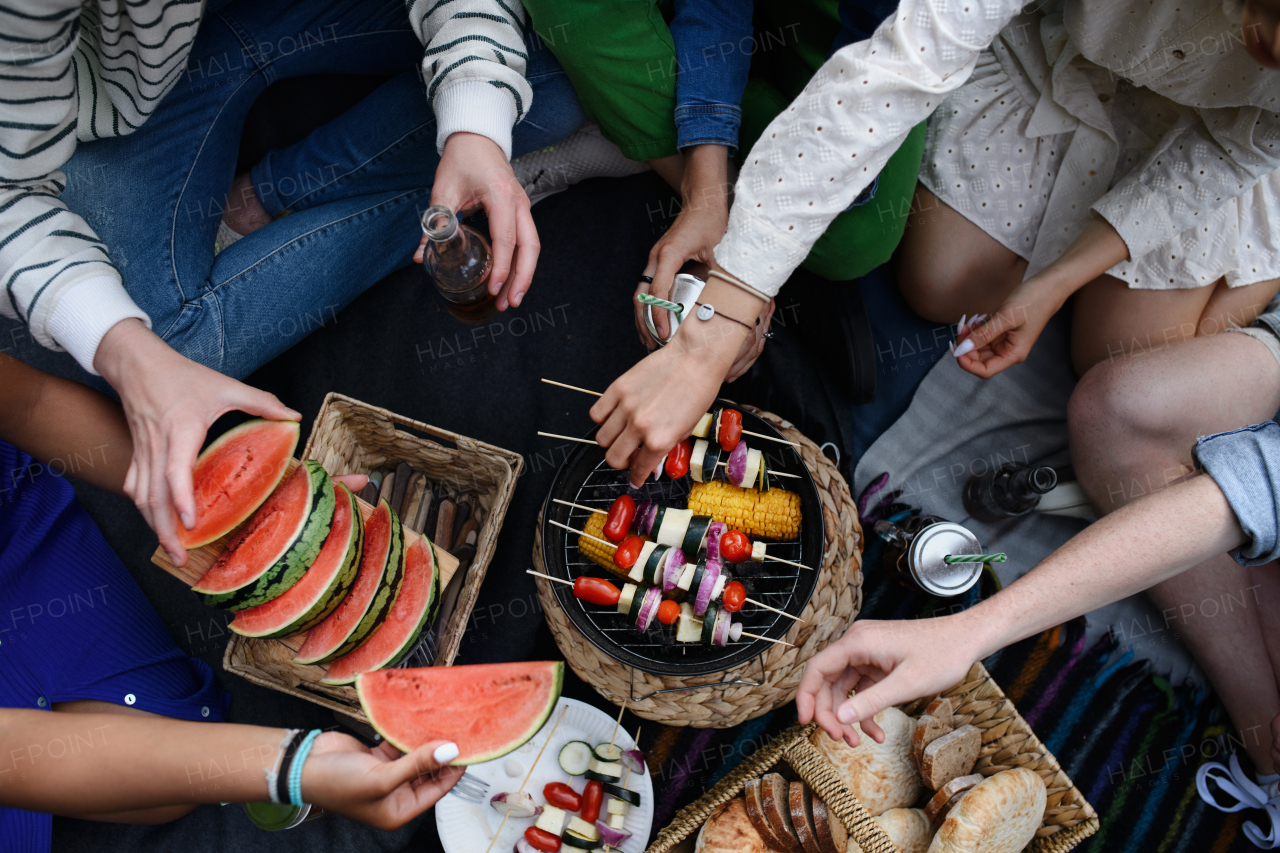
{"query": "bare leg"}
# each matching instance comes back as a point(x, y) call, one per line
point(947, 266)
point(245, 213)
point(1113, 320)
point(1134, 420)
point(162, 814)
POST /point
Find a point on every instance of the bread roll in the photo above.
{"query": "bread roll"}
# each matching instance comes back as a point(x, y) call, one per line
point(880, 775)
point(728, 830)
point(999, 815)
point(908, 829)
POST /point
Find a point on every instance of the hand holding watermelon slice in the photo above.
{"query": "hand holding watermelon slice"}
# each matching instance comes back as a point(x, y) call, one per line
point(170, 402)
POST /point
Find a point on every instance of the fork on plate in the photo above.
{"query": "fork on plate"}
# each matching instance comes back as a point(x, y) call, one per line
point(471, 789)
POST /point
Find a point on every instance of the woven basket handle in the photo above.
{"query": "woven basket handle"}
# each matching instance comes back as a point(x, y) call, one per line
point(817, 772)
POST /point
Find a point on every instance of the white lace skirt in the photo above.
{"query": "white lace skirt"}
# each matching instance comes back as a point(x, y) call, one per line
point(980, 161)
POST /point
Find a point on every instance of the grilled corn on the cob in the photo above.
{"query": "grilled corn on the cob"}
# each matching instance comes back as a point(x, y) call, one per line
point(774, 514)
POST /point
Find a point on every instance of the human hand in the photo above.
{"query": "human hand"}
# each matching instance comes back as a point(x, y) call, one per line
point(473, 172)
point(753, 345)
point(1007, 337)
point(169, 402)
point(888, 663)
point(381, 787)
point(700, 225)
point(659, 401)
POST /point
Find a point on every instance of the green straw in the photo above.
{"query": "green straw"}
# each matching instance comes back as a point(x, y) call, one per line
point(974, 558)
point(646, 299)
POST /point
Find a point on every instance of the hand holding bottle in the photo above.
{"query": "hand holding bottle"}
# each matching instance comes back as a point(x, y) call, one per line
point(474, 172)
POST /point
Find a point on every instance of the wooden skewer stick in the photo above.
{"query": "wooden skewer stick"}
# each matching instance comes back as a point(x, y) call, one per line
point(548, 577)
point(788, 562)
point(527, 775)
point(774, 609)
point(581, 533)
point(768, 640)
point(618, 721)
point(579, 506)
point(625, 777)
point(573, 387)
point(572, 438)
point(598, 394)
point(772, 473)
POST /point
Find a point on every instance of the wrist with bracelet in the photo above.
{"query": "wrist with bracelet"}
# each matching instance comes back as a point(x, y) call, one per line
point(284, 779)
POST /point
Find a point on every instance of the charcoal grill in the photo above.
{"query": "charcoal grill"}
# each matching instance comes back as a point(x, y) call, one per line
point(585, 478)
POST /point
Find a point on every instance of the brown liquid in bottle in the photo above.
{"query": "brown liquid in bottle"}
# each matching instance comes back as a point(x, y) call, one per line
point(459, 260)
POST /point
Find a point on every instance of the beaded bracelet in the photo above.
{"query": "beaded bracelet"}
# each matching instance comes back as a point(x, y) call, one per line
point(287, 745)
point(295, 769)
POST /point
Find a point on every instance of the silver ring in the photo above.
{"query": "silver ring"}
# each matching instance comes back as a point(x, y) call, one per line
point(768, 335)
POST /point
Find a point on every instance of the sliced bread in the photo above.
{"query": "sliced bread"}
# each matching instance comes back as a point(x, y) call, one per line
point(775, 795)
point(999, 815)
point(928, 729)
point(880, 775)
point(753, 796)
point(949, 756)
point(832, 836)
point(800, 799)
point(943, 709)
point(908, 829)
point(940, 803)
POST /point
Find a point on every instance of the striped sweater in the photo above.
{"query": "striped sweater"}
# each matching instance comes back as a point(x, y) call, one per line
point(77, 70)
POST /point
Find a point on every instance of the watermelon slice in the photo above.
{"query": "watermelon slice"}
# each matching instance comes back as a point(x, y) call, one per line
point(370, 599)
point(235, 474)
point(309, 601)
point(486, 709)
point(271, 553)
point(396, 637)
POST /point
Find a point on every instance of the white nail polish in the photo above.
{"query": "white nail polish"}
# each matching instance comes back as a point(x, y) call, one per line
point(965, 347)
point(445, 753)
point(960, 325)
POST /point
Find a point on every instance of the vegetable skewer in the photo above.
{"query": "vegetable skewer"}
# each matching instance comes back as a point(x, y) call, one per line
point(550, 735)
point(662, 571)
point(698, 477)
point(734, 553)
point(710, 414)
point(729, 627)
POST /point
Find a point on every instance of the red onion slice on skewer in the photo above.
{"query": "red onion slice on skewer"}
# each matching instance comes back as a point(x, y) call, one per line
point(714, 532)
point(648, 608)
point(709, 578)
point(737, 466)
point(674, 568)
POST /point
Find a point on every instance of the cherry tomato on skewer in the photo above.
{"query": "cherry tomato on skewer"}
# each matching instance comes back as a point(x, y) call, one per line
point(730, 431)
point(733, 597)
point(592, 797)
point(735, 546)
point(628, 552)
point(562, 796)
point(678, 459)
point(596, 591)
point(618, 521)
point(540, 839)
point(668, 612)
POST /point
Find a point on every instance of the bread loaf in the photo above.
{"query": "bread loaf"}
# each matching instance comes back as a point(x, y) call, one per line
point(801, 801)
point(832, 836)
point(999, 815)
point(753, 797)
point(728, 830)
point(943, 800)
point(880, 775)
point(949, 756)
point(775, 795)
point(908, 829)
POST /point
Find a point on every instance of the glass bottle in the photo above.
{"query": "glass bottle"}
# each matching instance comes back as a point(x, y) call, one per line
point(1011, 490)
point(459, 260)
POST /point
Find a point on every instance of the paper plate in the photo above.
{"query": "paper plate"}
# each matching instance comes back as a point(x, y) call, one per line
point(466, 827)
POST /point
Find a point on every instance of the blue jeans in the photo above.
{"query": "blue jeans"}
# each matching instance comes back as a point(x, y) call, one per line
point(1245, 463)
point(354, 188)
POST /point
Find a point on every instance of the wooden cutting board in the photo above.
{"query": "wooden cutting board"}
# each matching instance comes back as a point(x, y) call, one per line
point(199, 561)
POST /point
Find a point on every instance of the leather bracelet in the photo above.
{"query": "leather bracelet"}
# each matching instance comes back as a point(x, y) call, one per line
point(737, 282)
point(278, 777)
point(706, 311)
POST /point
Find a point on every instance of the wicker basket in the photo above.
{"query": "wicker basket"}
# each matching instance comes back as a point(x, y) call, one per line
point(830, 611)
point(1007, 742)
point(351, 437)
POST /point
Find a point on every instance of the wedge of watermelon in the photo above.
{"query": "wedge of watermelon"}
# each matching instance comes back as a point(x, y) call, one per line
point(411, 613)
point(486, 709)
point(235, 474)
point(273, 550)
point(370, 599)
point(310, 601)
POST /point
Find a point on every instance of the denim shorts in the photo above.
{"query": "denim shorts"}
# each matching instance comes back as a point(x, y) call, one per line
point(1245, 463)
point(1266, 328)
